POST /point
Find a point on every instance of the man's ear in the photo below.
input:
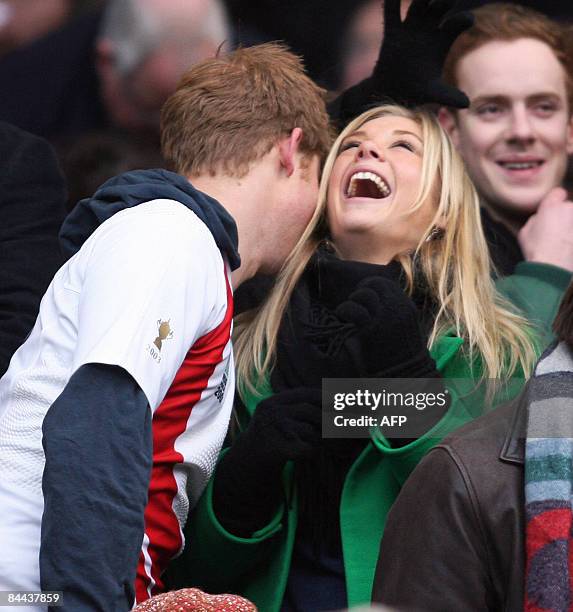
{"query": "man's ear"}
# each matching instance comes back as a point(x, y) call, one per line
point(104, 56)
point(570, 135)
point(288, 148)
point(449, 122)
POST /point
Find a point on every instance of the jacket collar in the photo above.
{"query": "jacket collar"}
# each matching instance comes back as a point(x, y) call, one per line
point(513, 449)
point(556, 362)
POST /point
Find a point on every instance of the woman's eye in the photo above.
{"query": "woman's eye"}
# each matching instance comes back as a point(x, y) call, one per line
point(405, 145)
point(350, 144)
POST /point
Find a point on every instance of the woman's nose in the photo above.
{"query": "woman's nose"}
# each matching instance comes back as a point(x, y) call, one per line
point(368, 149)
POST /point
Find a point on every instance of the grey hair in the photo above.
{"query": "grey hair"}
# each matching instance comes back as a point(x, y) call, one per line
point(136, 31)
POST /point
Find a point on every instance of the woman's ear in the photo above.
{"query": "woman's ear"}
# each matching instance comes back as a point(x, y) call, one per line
point(438, 229)
point(440, 222)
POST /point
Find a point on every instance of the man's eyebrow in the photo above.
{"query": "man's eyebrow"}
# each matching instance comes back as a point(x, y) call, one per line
point(543, 95)
point(407, 133)
point(499, 99)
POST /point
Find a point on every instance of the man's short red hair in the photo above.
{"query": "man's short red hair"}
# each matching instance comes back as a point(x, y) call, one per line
point(509, 22)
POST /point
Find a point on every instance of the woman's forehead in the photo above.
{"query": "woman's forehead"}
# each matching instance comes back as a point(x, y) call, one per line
point(387, 125)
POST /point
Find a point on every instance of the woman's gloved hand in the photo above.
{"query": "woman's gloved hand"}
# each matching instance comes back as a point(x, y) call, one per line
point(374, 332)
point(410, 62)
point(388, 342)
point(386, 339)
point(248, 488)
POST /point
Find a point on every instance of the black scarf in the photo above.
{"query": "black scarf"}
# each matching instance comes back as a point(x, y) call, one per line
point(307, 345)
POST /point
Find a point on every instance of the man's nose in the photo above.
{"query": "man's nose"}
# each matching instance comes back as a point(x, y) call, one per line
point(520, 127)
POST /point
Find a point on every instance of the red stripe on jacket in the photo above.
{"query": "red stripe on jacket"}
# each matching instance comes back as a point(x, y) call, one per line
point(169, 422)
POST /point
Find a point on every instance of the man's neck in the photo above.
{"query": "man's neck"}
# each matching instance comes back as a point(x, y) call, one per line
point(240, 197)
point(512, 222)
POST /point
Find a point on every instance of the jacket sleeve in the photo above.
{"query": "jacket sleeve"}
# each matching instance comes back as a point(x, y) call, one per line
point(98, 448)
point(536, 289)
point(440, 565)
point(32, 208)
point(208, 543)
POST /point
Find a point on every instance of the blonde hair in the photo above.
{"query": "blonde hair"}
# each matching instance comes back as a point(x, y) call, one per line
point(456, 268)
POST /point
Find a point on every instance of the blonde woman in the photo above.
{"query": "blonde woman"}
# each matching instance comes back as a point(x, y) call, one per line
point(293, 521)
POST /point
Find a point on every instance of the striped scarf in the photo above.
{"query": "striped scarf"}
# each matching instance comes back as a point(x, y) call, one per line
point(549, 484)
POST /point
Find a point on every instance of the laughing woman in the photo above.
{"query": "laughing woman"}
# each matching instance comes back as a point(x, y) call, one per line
point(391, 279)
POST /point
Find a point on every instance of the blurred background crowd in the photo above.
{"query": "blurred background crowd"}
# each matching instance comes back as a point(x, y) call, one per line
point(86, 81)
point(91, 75)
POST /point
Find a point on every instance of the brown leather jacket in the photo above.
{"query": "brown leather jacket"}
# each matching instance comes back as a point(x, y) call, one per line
point(454, 540)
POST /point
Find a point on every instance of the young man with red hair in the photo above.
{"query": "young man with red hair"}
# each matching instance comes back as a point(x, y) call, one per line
point(113, 411)
point(515, 65)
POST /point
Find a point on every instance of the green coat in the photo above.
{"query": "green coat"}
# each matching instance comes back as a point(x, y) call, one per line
point(258, 567)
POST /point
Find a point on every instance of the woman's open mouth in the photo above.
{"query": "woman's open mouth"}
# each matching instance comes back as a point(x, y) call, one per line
point(367, 185)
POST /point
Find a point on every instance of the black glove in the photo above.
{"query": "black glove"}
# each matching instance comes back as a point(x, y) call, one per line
point(247, 488)
point(388, 342)
point(325, 337)
point(386, 339)
point(410, 62)
point(308, 348)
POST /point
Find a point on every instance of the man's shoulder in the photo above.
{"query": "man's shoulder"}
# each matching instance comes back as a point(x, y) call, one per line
point(159, 233)
point(495, 424)
point(166, 217)
point(490, 445)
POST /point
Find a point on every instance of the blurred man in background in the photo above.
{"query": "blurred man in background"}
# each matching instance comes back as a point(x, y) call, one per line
point(362, 41)
point(23, 21)
point(32, 208)
point(111, 68)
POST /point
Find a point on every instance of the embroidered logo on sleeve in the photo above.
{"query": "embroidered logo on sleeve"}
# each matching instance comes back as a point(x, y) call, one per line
point(164, 332)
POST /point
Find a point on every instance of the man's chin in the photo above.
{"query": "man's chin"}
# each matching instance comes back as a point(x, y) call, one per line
point(514, 210)
point(520, 202)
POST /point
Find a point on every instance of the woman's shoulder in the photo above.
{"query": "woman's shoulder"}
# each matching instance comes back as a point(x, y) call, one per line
point(447, 352)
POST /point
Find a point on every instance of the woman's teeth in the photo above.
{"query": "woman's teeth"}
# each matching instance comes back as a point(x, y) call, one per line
point(380, 184)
